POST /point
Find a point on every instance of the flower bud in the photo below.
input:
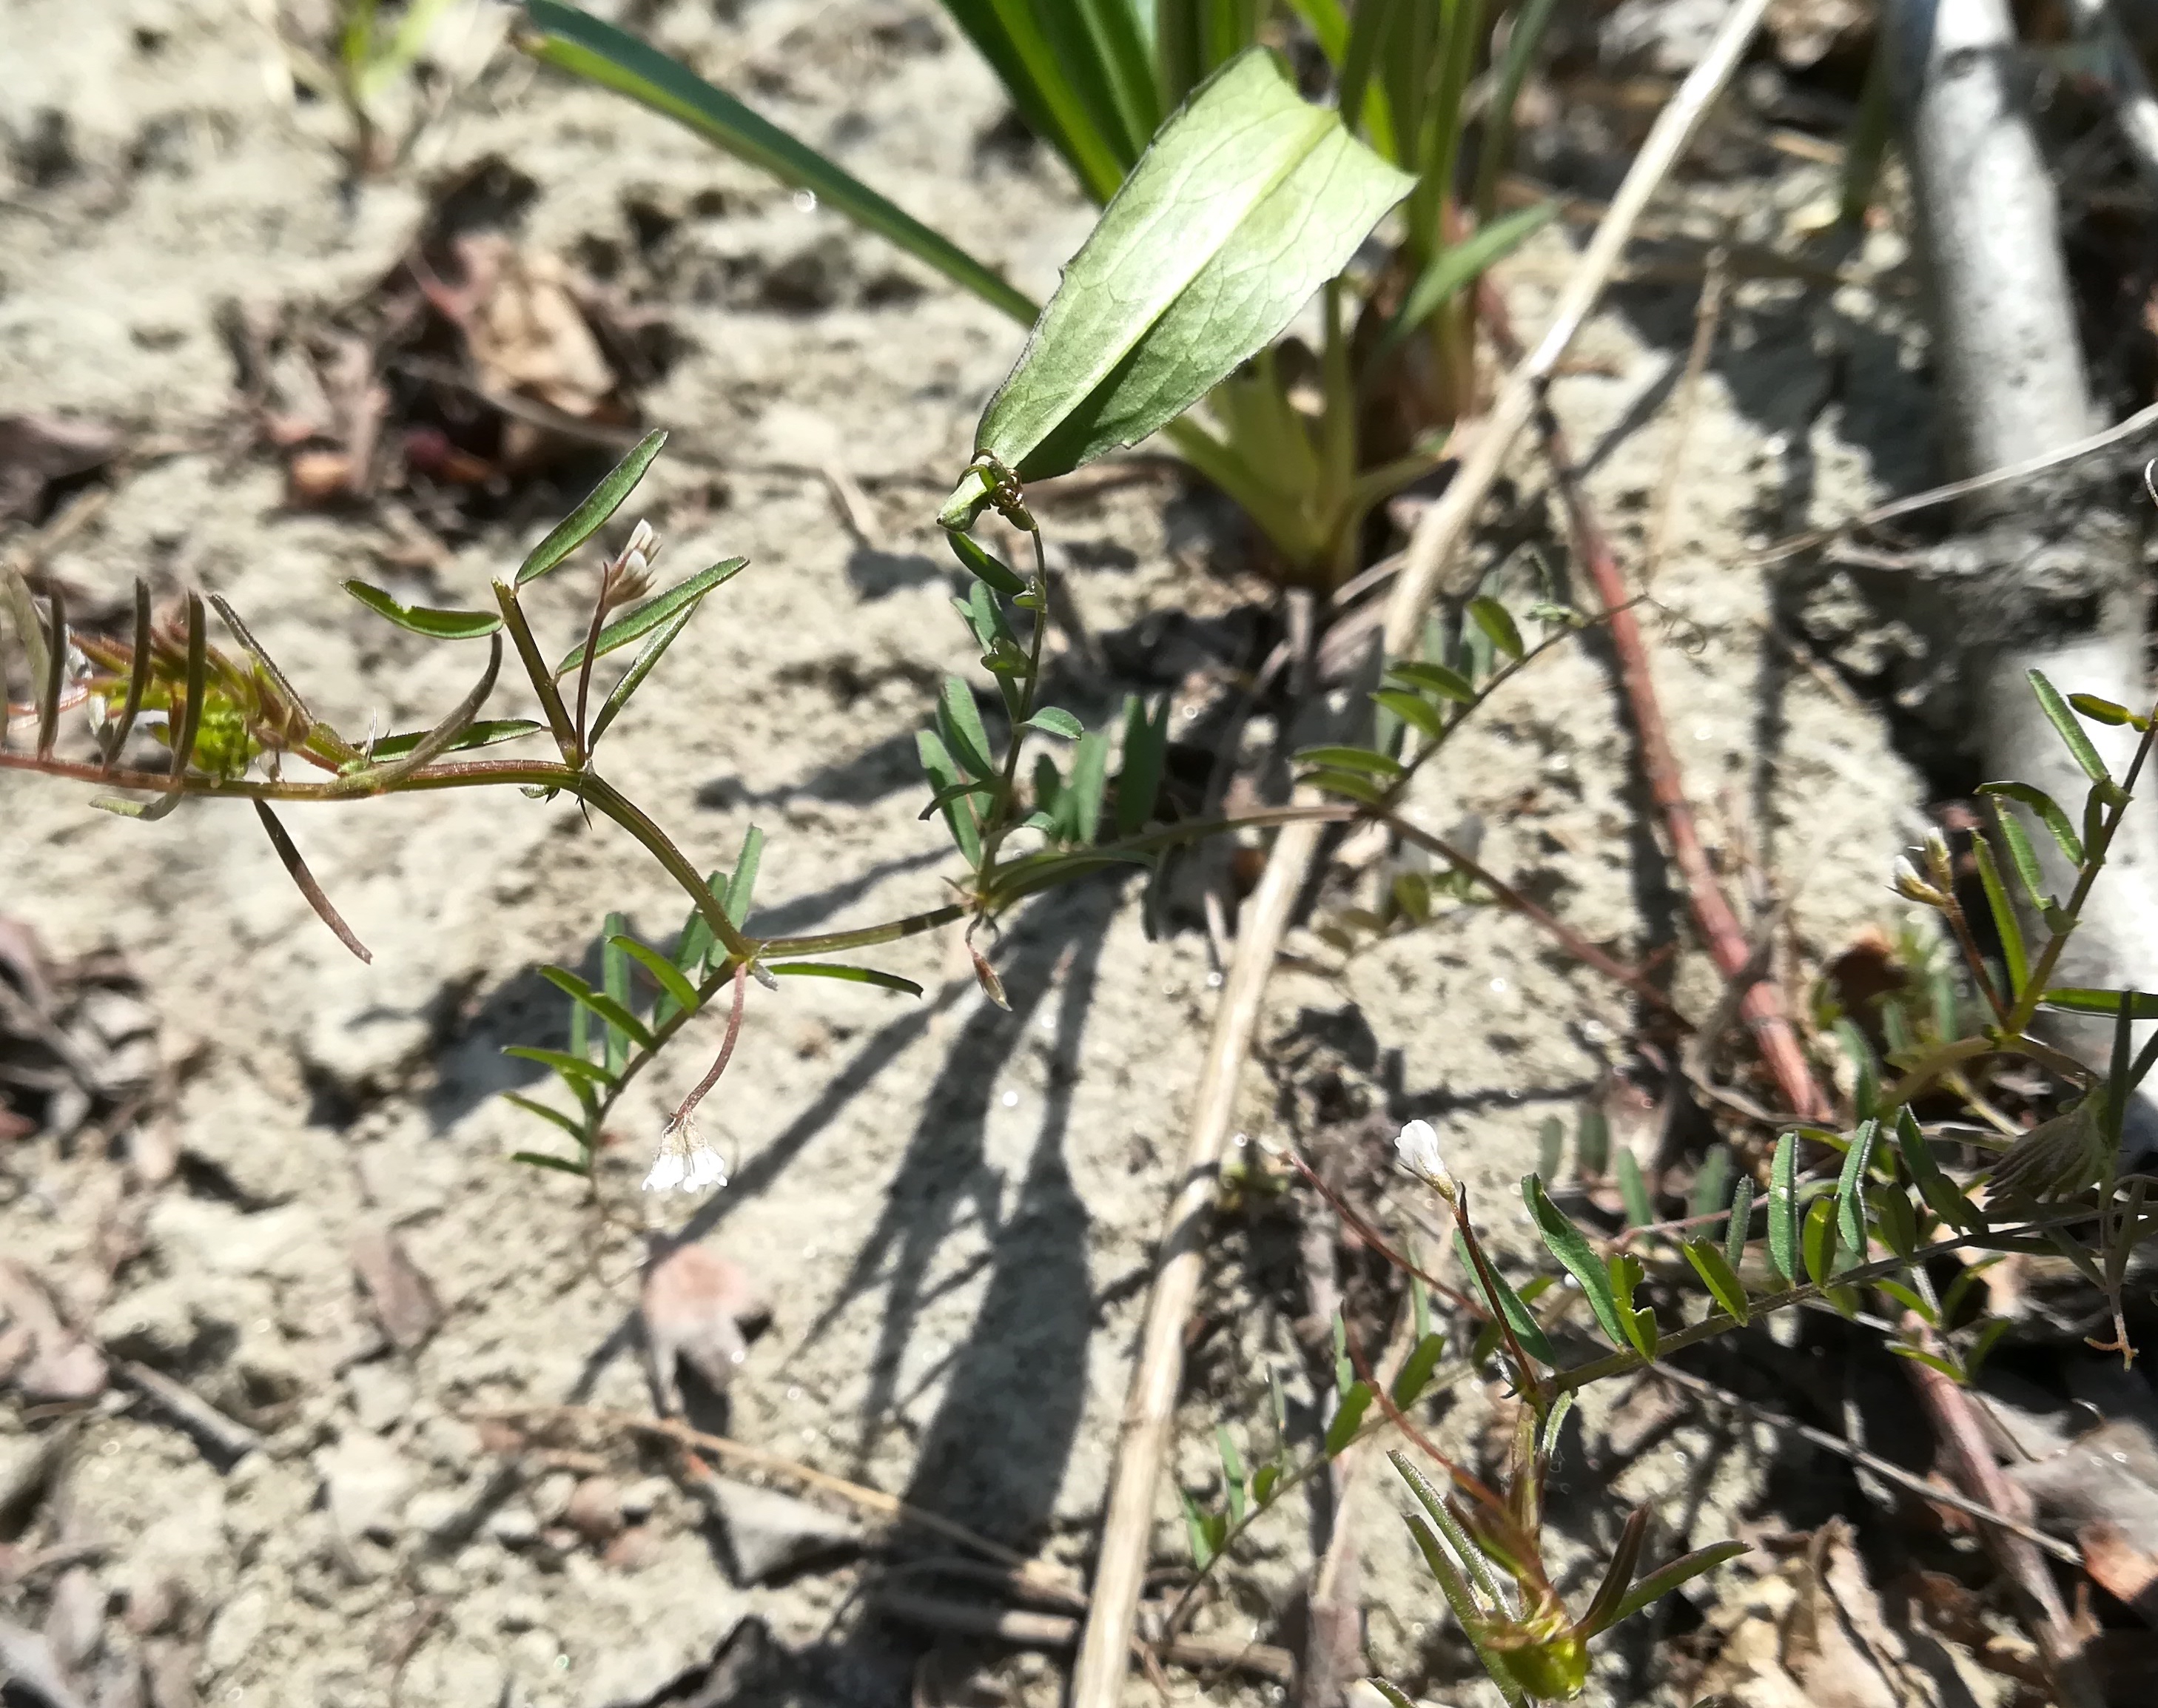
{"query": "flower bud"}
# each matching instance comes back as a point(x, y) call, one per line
point(1416, 1149)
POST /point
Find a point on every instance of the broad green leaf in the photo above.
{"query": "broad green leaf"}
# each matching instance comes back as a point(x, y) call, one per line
point(1246, 201)
point(424, 620)
point(484, 733)
point(852, 975)
point(1357, 759)
point(1459, 265)
point(1819, 1237)
point(1867, 1091)
point(1627, 1274)
point(1508, 1304)
point(655, 611)
point(1436, 678)
point(1897, 1221)
point(959, 721)
point(1498, 623)
point(944, 775)
point(1571, 1247)
point(984, 566)
point(1938, 1191)
point(1055, 720)
point(1348, 1418)
point(683, 993)
point(2048, 810)
point(1346, 782)
point(2071, 732)
point(579, 44)
point(574, 529)
point(1416, 1369)
point(602, 1004)
point(1414, 709)
point(1783, 1209)
point(1718, 1275)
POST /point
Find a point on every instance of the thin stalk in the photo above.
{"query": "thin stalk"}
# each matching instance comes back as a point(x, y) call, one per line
point(1008, 784)
point(535, 668)
point(1567, 1382)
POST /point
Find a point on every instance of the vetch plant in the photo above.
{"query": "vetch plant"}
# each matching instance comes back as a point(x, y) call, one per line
point(1162, 109)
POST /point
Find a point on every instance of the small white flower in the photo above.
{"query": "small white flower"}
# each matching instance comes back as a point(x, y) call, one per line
point(1418, 1151)
point(684, 1161)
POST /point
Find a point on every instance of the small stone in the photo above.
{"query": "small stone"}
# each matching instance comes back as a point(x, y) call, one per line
point(594, 1509)
point(365, 1484)
point(643, 1497)
point(521, 1613)
point(434, 1511)
point(238, 1629)
point(75, 1619)
point(769, 1533)
point(382, 1395)
point(404, 1298)
point(514, 1526)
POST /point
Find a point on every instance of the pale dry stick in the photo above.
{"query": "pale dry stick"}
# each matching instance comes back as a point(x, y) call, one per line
point(1957, 1424)
point(1708, 316)
point(1025, 1630)
point(1149, 1412)
point(1150, 1408)
point(1037, 1575)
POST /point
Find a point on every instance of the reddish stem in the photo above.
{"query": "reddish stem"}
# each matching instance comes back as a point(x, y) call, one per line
point(1763, 1003)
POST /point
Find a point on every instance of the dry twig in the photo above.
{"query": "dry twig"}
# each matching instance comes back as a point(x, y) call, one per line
point(1098, 1681)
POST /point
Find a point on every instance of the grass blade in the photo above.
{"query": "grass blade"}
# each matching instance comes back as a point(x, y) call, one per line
point(2005, 922)
point(579, 44)
point(190, 727)
point(1457, 266)
point(532, 1105)
point(56, 652)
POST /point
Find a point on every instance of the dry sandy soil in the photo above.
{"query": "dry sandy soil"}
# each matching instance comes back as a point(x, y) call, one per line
point(948, 1208)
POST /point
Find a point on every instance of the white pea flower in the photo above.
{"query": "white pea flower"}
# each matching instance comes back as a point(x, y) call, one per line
point(684, 1161)
point(1416, 1149)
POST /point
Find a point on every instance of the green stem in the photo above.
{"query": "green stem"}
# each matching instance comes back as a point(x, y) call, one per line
point(867, 937)
point(535, 668)
point(1567, 1382)
point(1000, 822)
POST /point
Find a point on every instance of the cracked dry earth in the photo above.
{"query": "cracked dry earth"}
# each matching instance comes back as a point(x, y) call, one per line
point(311, 1241)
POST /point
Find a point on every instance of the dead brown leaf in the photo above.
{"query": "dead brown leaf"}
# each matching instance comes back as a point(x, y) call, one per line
point(41, 1357)
point(37, 450)
point(696, 1306)
point(403, 1296)
point(1815, 1634)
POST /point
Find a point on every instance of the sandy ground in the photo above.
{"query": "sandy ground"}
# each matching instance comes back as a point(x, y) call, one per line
point(949, 1209)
